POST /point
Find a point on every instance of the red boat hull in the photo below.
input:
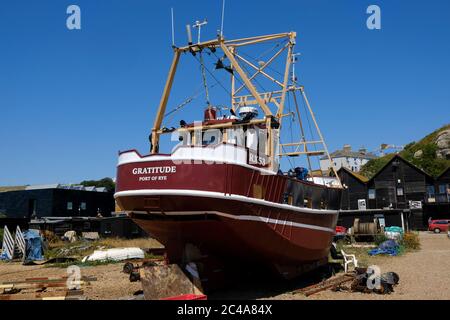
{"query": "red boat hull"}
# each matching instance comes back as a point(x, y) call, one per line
point(193, 209)
point(232, 230)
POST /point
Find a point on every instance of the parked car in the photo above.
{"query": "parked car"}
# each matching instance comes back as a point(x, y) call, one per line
point(438, 226)
point(340, 233)
point(341, 230)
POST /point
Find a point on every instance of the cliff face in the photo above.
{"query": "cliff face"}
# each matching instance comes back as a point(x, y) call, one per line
point(431, 154)
point(443, 144)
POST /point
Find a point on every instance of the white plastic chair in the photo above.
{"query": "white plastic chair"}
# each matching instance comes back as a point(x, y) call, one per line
point(348, 259)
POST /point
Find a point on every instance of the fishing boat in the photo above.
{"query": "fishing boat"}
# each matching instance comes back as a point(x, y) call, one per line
point(222, 192)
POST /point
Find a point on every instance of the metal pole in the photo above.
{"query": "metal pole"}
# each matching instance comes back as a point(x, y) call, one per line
point(173, 29)
point(223, 16)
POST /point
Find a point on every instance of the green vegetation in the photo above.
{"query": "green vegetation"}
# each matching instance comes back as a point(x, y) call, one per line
point(82, 248)
point(410, 241)
point(428, 161)
point(108, 183)
point(375, 165)
point(81, 264)
point(379, 239)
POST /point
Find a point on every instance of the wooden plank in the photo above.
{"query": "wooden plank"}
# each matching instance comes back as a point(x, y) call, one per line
point(40, 285)
point(47, 280)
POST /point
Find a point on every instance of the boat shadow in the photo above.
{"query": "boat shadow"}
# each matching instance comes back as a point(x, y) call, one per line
point(252, 286)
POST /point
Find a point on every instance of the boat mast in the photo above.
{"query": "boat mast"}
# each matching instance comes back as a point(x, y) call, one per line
point(228, 46)
point(272, 119)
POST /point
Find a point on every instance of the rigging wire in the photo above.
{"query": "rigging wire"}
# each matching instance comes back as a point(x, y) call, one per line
point(254, 79)
point(257, 59)
point(235, 76)
point(289, 158)
point(214, 77)
point(271, 49)
point(205, 84)
point(202, 86)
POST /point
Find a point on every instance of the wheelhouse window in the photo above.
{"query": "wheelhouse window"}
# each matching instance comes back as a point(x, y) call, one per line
point(185, 138)
point(236, 136)
point(211, 137)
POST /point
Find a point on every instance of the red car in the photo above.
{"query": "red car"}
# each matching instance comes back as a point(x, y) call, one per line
point(340, 230)
point(438, 226)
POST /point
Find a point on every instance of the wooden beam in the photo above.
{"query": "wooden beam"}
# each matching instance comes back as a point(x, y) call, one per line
point(299, 143)
point(233, 83)
point(285, 81)
point(262, 38)
point(216, 43)
point(246, 43)
point(244, 78)
point(163, 102)
point(253, 102)
point(258, 71)
point(225, 125)
point(265, 65)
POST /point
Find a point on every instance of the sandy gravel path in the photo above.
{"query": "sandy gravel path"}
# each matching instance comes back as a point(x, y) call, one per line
point(424, 274)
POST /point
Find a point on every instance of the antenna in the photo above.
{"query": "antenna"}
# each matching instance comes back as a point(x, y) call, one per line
point(199, 25)
point(223, 16)
point(173, 29)
point(189, 34)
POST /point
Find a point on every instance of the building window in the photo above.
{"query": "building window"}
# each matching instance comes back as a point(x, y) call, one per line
point(430, 190)
point(400, 192)
point(83, 206)
point(69, 205)
point(442, 189)
point(372, 194)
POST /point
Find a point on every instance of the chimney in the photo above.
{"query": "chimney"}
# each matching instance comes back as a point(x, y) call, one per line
point(347, 148)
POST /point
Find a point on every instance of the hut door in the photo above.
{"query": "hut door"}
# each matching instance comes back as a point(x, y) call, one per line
point(31, 207)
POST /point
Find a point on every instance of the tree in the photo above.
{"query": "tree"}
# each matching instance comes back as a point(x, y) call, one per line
point(108, 183)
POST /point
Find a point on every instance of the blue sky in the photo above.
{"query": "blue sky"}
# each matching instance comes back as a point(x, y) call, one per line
point(70, 100)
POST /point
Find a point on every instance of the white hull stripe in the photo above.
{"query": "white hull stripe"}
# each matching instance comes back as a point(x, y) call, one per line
point(184, 160)
point(218, 195)
point(245, 218)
